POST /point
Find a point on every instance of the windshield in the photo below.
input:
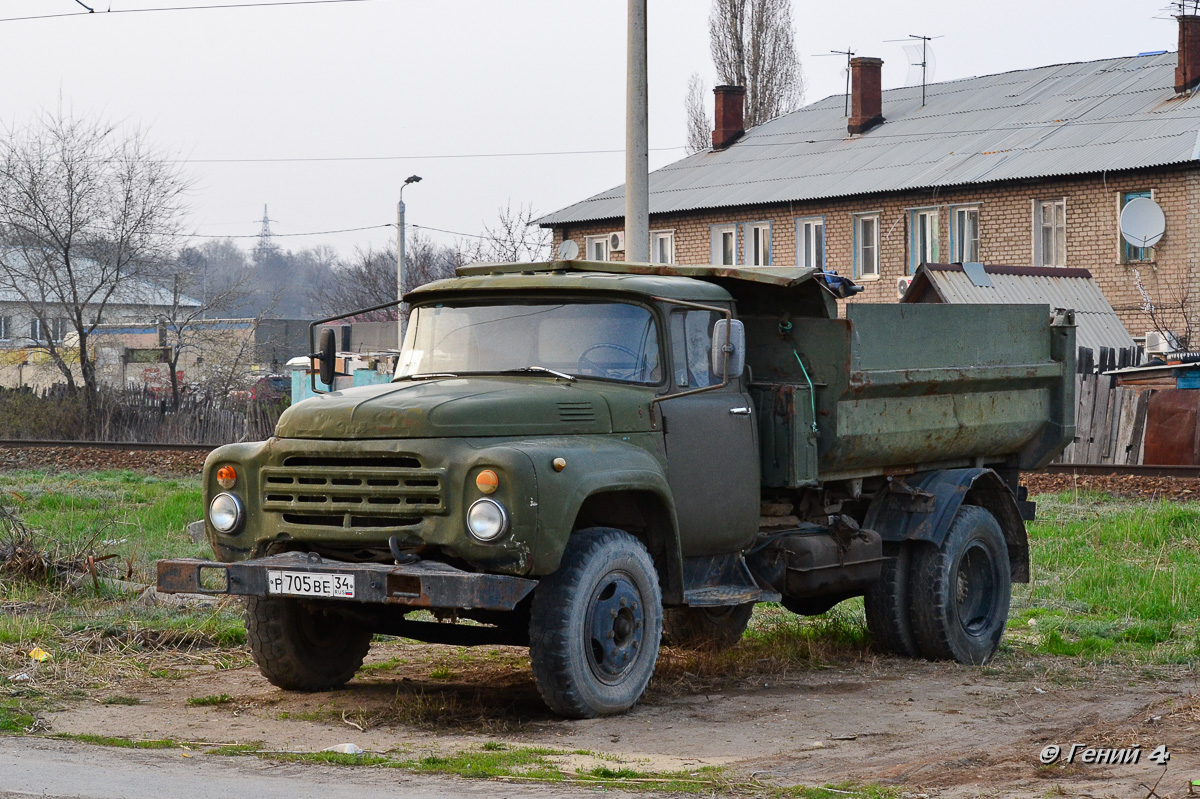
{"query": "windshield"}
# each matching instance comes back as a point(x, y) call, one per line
point(605, 340)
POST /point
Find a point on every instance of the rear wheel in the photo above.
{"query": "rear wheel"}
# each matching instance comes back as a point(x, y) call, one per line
point(706, 628)
point(303, 647)
point(886, 603)
point(595, 625)
point(961, 590)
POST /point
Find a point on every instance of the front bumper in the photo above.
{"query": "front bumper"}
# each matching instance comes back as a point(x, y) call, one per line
point(423, 584)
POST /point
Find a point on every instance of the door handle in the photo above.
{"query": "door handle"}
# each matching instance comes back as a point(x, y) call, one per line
point(740, 411)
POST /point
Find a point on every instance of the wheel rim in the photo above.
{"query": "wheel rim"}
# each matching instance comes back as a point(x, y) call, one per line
point(615, 627)
point(976, 585)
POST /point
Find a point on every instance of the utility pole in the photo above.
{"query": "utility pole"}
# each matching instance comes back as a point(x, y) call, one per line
point(400, 260)
point(637, 139)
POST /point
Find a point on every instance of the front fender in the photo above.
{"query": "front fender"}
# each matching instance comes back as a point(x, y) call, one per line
point(893, 516)
point(594, 465)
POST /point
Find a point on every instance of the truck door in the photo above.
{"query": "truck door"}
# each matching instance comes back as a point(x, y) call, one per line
point(712, 445)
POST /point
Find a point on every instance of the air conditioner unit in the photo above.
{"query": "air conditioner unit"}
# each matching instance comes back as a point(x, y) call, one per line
point(902, 285)
point(1160, 343)
point(616, 242)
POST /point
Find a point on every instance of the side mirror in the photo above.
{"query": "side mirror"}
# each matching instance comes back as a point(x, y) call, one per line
point(728, 337)
point(326, 356)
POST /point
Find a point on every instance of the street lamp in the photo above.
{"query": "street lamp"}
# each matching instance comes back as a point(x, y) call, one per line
point(400, 258)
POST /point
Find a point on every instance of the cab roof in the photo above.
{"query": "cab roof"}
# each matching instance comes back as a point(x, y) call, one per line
point(671, 281)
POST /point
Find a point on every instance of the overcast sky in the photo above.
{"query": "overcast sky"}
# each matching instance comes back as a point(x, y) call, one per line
point(435, 82)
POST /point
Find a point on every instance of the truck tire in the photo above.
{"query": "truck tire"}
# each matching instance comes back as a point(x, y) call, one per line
point(961, 590)
point(595, 625)
point(300, 649)
point(706, 628)
point(886, 603)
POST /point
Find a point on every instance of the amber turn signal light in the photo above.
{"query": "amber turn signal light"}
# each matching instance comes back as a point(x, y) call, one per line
point(487, 481)
point(226, 476)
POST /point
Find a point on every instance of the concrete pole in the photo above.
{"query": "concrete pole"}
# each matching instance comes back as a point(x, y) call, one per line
point(400, 269)
point(400, 259)
point(637, 139)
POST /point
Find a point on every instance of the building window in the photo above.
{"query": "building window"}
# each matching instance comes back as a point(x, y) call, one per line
point(662, 247)
point(724, 245)
point(810, 243)
point(5, 328)
point(923, 238)
point(964, 235)
point(758, 244)
point(1129, 253)
point(597, 248)
point(866, 245)
point(1050, 232)
point(52, 330)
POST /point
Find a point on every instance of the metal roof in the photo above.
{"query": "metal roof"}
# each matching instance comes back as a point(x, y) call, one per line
point(1064, 119)
point(1097, 323)
point(88, 279)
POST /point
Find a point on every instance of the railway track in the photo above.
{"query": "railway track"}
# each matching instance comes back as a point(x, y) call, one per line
point(124, 446)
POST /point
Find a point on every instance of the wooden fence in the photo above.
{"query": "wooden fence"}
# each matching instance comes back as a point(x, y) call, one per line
point(1110, 422)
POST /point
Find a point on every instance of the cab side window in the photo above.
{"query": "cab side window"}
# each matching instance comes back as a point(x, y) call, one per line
point(691, 343)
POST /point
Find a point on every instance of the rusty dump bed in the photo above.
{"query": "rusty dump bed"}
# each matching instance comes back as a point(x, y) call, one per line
point(422, 584)
point(903, 388)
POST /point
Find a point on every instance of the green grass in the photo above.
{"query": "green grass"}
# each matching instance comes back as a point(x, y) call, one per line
point(209, 701)
point(1112, 579)
point(119, 743)
point(14, 718)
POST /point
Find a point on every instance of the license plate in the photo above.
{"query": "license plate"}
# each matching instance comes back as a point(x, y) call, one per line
point(310, 584)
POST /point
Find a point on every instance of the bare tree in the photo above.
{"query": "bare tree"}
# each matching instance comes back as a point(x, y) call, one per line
point(753, 45)
point(184, 330)
point(1175, 314)
point(699, 123)
point(515, 237)
point(87, 214)
point(368, 277)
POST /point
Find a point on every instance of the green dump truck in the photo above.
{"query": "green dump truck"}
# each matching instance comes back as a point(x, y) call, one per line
point(591, 458)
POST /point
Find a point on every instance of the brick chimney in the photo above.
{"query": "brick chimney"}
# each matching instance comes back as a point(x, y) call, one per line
point(727, 118)
point(1187, 68)
point(866, 94)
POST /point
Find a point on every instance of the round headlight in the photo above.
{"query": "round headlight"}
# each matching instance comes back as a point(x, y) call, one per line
point(225, 513)
point(486, 519)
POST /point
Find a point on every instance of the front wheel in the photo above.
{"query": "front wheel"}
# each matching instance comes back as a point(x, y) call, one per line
point(301, 647)
point(960, 591)
point(595, 625)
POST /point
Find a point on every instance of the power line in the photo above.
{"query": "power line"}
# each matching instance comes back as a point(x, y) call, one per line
point(184, 8)
point(446, 156)
point(280, 235)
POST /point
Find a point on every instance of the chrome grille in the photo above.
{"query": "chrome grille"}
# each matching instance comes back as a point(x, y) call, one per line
point(352, 492)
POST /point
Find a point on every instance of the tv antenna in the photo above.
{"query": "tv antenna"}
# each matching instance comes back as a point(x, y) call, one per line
point(920, 56)
point(1180, 8)
point(849, 54)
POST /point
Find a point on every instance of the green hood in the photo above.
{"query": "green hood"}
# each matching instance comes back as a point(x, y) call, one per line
point(455, 407)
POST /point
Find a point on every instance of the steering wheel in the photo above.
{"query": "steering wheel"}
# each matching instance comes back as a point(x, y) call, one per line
point(586, 363)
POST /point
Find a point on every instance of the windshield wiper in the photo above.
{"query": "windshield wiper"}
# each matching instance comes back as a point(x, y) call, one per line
point(429, 375)
point(543, 370)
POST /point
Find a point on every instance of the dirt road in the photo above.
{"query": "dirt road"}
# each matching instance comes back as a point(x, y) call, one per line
point(52, 769)
point(938, 729)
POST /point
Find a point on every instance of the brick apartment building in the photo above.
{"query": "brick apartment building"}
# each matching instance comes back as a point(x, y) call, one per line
point(1030, 167)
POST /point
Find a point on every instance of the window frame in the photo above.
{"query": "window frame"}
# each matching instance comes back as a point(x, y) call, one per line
point(1039, 225)
point(588, 241)
point(915, 216)
point(877, 218)
point(655, 237)
point(716, 234)
point(764, 230)
point(955, 255)
point(5, 328)
point(802, 253)
point(1124, 248)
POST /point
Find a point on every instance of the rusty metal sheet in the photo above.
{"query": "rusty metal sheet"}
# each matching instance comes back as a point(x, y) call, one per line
point(1172, 433)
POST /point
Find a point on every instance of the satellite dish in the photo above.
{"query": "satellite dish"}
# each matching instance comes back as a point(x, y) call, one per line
point(1143, 222)
point(568, 250)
